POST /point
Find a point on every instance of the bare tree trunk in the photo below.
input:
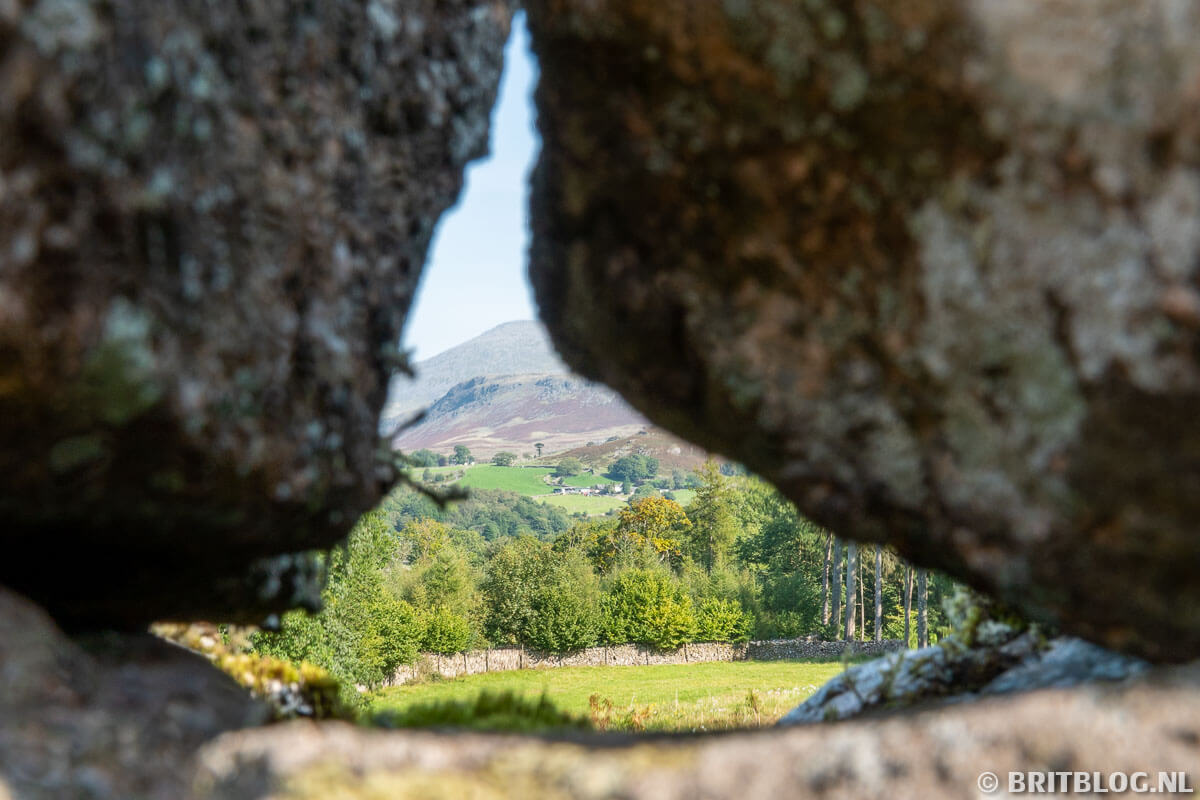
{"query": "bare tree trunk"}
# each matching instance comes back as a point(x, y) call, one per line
point(922, 607)
point(908, 582)
point(851, 588)
point(825, 580)
point(862, 603)
point(878, 593)
point(835, 615)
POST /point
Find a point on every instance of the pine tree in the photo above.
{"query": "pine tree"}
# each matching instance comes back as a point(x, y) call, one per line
point(714, 519)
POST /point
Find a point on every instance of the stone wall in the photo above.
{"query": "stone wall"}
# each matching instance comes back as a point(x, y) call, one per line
point(629, 655)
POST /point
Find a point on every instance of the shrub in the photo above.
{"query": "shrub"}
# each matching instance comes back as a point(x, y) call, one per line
point(721, 621)
point(568, 467)
point(445, 632)
point(646, 607)
point(566, 608)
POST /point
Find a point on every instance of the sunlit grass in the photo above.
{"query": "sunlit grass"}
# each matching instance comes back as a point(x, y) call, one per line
point(589, 504)
point(522, 480)
point(684, 697)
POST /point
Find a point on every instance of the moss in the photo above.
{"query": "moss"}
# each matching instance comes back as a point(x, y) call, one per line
point(291, 690)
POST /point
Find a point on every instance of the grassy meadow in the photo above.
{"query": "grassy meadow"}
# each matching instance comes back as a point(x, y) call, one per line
point(591, 505)
point(665, 698)
point(522, 480)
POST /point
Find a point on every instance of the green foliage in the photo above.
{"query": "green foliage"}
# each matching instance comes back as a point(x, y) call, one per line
point(568, 467)
point(489, 711)
point(644, 491)
point(720, 620)
point(566, 610)
point(504, 458)
point(514, 575)
point(714, 519)
point(492, 513)
point(633, 468)
point(462, 455)
point(656, 523)
point(364, 631)
point(445, 632)
point(647, 607)
point(423, 458)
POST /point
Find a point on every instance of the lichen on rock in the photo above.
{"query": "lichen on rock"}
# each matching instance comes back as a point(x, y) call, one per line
point(212, 222)
point(932, 268)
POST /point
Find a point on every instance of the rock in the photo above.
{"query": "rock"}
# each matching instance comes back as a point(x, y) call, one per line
point(1150, 725)
point(932, 268)
point(120, 716)
point(1066, 662)
point(212, 222)
point(950, 673)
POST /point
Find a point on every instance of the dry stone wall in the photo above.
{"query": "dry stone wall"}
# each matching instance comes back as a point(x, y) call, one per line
point(631, 655)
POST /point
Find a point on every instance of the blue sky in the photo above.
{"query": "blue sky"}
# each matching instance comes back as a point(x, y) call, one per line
point(475, 278)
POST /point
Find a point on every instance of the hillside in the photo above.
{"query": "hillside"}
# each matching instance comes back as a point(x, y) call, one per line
point(672, 453)
point(513, 412)
point(514, 348)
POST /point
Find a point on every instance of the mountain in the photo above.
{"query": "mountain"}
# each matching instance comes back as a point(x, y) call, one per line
point(506, 389)
point(514, 348)
point(513, 412)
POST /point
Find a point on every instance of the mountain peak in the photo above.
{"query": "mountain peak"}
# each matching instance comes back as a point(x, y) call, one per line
point(511, 348)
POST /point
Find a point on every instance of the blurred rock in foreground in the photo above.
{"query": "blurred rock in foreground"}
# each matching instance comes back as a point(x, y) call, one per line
point(213, 217)
point(933, 268)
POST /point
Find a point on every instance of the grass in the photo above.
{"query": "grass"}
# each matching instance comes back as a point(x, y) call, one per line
point(523, 480)
point(585, 481)
point(676, 697)
point(588, 504)
point(684, 496)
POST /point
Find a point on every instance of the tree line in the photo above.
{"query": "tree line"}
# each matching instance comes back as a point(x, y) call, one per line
point(500, 569)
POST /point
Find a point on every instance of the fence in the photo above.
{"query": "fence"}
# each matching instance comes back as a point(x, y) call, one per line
point(507, 658)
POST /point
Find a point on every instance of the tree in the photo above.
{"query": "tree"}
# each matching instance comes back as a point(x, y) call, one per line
point(514, 575)
point(567, 467)
point(720, 620)
point(835, 615)
point(504, 458)
point(646, 607)
point(922, 607)
point(364, 632)
point(566, 608)
point(445, 632)
point(462, 455)
point(423, 458)
point(908, 583)
point(539, 447)
point(657, 523)
point(878, 593)
point(714, 518)
point(825, 580)
point(633, 468)
point(851, 588)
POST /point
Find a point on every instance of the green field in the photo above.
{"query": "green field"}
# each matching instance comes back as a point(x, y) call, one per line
point(523, 480)
point(588, 504)
point(684, 496)
point(584, 481)
point(685, 697)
